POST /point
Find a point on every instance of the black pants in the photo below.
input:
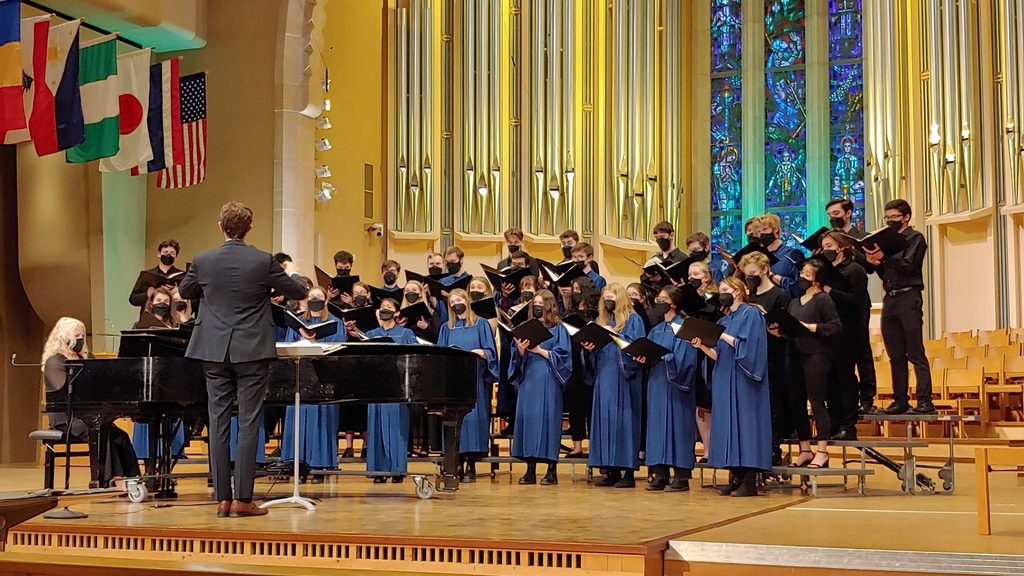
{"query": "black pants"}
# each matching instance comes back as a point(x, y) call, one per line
point(843, 393)
point(578, 399)
point(809, 374)
point(779, 392)
point(225, 380)
point(118, 455)
point(902, 322)
point(867, 383)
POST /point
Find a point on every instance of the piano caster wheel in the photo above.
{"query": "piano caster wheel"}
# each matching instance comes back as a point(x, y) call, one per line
point(137, 491)
point(424, 489)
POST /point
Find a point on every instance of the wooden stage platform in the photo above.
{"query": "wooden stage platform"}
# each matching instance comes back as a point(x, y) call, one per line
point(495, 527)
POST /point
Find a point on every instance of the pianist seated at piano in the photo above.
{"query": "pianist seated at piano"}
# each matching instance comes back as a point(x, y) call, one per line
point(318, 440)
point(67, 343)
point(387, 429)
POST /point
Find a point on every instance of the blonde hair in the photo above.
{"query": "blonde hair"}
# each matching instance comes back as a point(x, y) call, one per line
point(623, 308)
point(739, 286)
point(470, 315)
point(709, 286)
point(61, 339)
point(424, 295)
point(488, 289)
point(770, 220)
point(755, 259)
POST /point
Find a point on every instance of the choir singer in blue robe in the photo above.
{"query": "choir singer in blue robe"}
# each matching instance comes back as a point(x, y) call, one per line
point(614, 376)
point(387, 427)
point(540, 374)
point(467, 331)
point(741, 431)
point(671, 403)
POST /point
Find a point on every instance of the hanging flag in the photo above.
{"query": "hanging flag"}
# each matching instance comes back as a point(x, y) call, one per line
point(12, 103)
point(35, 33)
point(164, 110)
point(133, 101)
point(98, 82)
point(193, 124)
point(58, 126)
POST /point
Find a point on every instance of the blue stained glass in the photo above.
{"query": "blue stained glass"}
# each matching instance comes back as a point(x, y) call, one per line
point(726, 35)
point(793, 224)
point(784, 33)
point(844, 17)
point(727, 231)
point(846, 111)
point(785, 140)
point(725, 144)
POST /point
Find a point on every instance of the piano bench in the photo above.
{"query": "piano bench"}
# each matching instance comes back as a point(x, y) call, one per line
point(53, 440)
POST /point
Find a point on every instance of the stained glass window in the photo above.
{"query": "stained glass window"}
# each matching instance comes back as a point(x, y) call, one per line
point(846, 104)
point(785, 114)
point(726, 135)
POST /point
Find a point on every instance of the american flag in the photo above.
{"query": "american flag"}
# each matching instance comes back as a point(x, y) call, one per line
point(193, 123)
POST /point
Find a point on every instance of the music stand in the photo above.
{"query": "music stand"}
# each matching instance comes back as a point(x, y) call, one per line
point(296, 353)
point(66, 513)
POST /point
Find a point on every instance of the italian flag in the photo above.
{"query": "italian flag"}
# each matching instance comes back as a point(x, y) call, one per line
point(97, 79)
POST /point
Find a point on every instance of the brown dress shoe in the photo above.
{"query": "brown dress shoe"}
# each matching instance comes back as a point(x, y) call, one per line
point(241, 509)
point(223, 508)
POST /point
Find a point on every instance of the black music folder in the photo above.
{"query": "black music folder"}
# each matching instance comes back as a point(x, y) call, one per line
point(813, 242)
point(485, 308)
point(514, 317)
point(889, 240)
point(755, 247)
point(533, 331)
point(365, 317)
point(413, 312)
point(646, 348)
point(287, 319)
point(678, 271)
point(595, 334)
point(708, 332)
point(506, 275)
point(323, 279)
point(434, 283)
point(789, 326)
point(377, 295)
point(149, 320)
point(152, 280)
point(574, 320)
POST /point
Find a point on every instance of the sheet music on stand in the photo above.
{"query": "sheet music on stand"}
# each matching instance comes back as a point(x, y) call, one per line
point(306, 348)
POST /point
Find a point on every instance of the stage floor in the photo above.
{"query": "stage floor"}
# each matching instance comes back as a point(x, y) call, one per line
point(498, 527)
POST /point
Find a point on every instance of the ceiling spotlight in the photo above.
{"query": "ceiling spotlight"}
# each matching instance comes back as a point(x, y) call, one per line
point(323, 171)
point(323, 145)
point(327, 104)
point(324, 123)
point(326, 192)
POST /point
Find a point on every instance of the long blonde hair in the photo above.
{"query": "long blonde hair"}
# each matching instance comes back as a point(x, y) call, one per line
point(61, 339)
point(424, 295)
point(623, 308)
point(470, 315)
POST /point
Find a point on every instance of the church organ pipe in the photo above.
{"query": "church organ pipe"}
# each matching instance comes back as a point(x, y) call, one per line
point(403, 120)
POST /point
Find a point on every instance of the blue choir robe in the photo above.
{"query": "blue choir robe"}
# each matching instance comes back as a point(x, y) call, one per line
point(442, 304)
point(788, 267)
point(387, 427)
point(597, 279)
point(475, 436)
point(671, 403)
point(140, 440)
point(615, 416)
point(539, 381)
point(318, 427)
point(741, 427)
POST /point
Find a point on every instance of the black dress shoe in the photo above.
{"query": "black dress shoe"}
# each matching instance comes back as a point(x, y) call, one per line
point(628, 480)
point(348, 453)
point(924, 408)
point(656, 484)
point(379, 479)
point(678, 485)
point(897, 408)
point(528, 479)
point(610, 479)
point(845, 434)
point(549, 479)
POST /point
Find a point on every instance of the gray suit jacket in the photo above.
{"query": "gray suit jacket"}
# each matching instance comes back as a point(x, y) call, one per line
point(235, 322)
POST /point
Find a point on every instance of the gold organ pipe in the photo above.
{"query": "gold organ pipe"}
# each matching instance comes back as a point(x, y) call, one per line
point(936, 133)
point(415, 128)
point(968, 80)
point(482, 118)
point(554, 108)
point(633, 139)
point(537, 116)
point(427, 134)
point(620, 103)
point(403, 119)
point(951, 116)
point(569, 114)
point(469, 194)
point(650, 168)
point(1018, 184)
point(494, 143)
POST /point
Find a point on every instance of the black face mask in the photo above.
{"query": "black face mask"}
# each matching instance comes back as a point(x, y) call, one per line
point(566, 252)
point(609, 305)
point(664, 243)
point(897, 224)
point(166, 259)
point(162, 309)
point(412, 297)
point(360, 301)
point(390, 277)
point(752, 238)
point(695, 282)
point(766, 239)
point(803, 284)
point(513, 248)
point(837, 222)
point(459, 309)
point(453, 267)
point(476, 295)
point(577, 298)
point(699, 254)
point(527, 296)
point(829, 255)
point(343, 272)
point(517, 266)
point(753, 281)
point(315, 305)
point(726, 300)
point(660, 309)
point(78, 345)
point(538, 310)
point(181, 305)
point(435, 270)
point(635, 302)
point(386, 314)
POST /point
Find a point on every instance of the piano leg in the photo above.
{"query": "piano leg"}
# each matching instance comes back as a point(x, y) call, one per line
point(451, 424)
point(164, 483)
point(97, 456)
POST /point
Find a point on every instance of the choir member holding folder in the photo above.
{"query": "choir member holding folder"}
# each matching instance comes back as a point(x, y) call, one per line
point(578, 396)
point(318, 438)
point(539, 368)
point(671, 428)
point(387, 428)
point(164, 274)
point(741, 430)
point(417, 314)
point(467, 331)
point(615, 378)
point(810, 325)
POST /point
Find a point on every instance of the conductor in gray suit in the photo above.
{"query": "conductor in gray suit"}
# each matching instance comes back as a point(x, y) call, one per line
point(234, 339)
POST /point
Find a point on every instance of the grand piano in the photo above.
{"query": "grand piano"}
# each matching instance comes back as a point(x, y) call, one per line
point(163, 389)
